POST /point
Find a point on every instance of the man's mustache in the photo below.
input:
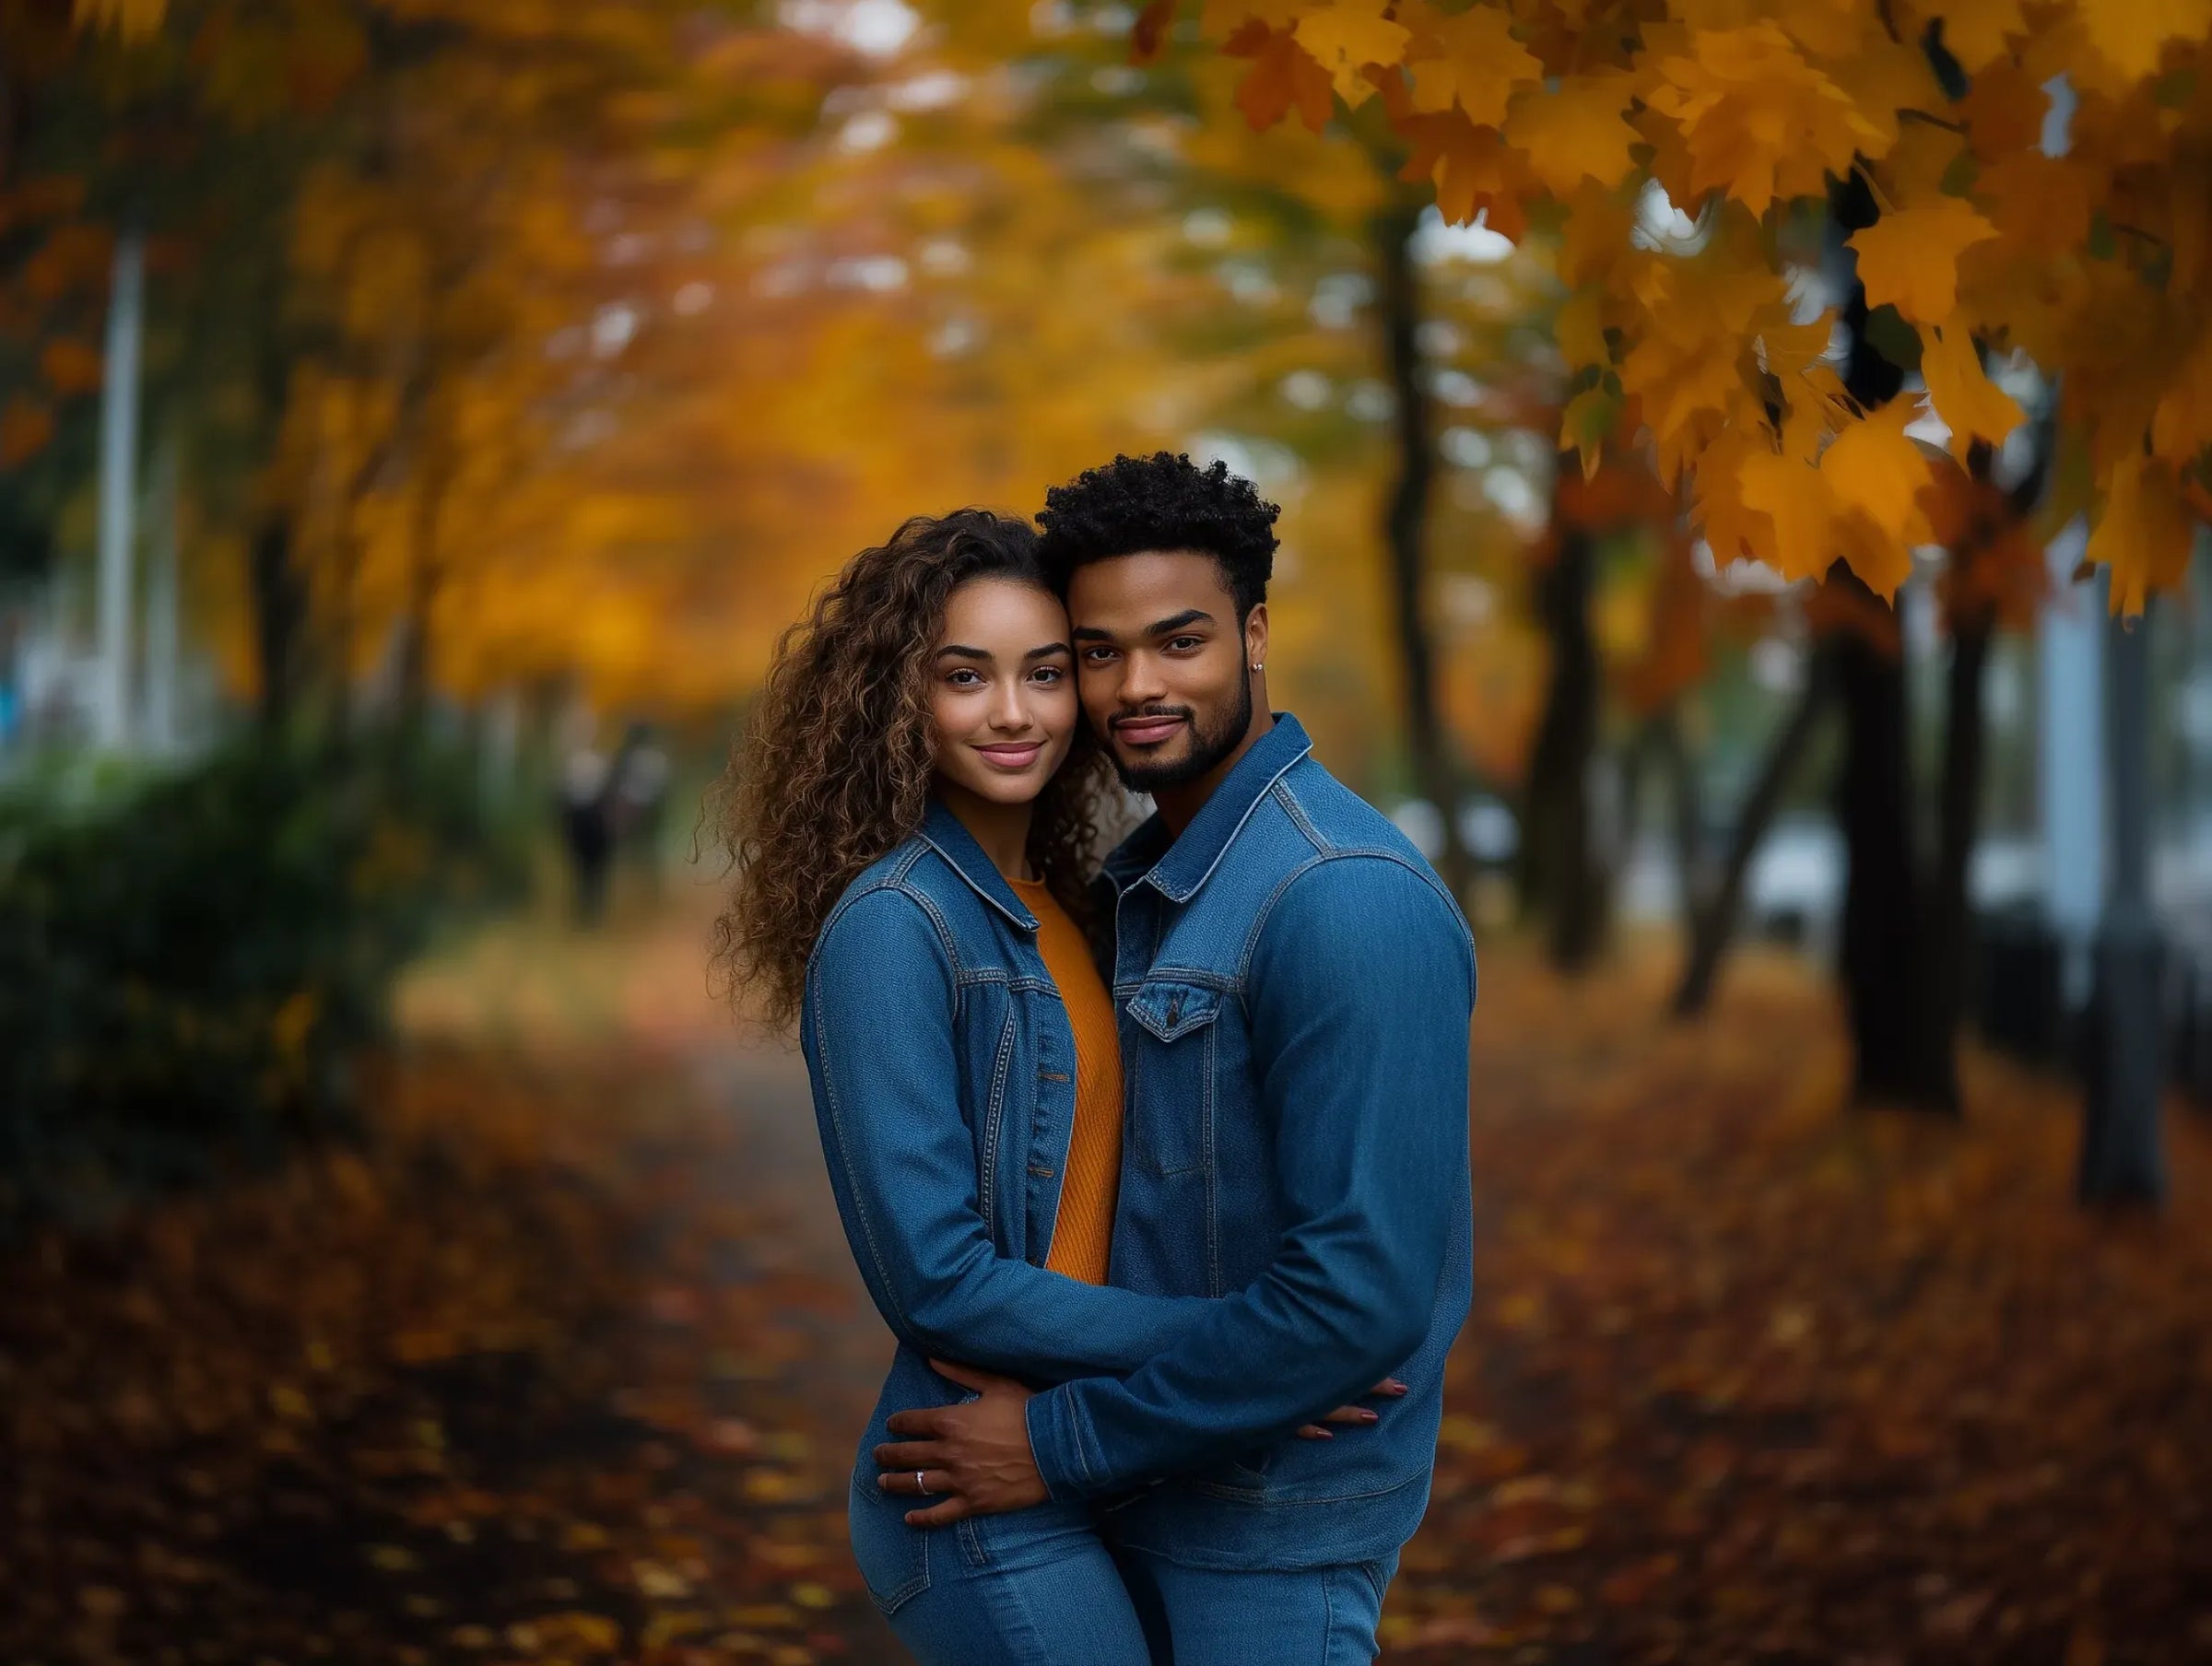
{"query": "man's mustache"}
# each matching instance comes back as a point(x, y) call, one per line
point(1150, 714)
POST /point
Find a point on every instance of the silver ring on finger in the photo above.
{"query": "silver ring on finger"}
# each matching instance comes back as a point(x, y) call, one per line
point(921, 1486)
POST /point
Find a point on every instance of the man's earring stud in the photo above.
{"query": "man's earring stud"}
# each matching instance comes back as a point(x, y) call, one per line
point(1256, 665)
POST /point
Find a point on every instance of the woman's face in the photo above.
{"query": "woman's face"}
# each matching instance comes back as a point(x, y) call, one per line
point(1002, 691)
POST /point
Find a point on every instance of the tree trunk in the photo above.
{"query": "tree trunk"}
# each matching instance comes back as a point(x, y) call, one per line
point(2122, 1156)
point(279, 602)
point(1966, 730)
point(1561, 882)
point(1406, 526)
point(425, 572)
point(119, 484)
point(1687, 799)
point(1904, 1054)
point(1713, 919)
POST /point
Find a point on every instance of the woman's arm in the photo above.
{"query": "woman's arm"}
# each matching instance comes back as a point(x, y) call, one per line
point(877, 1033)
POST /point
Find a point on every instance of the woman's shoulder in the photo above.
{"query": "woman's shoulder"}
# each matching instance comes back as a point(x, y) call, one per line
point(901, 894)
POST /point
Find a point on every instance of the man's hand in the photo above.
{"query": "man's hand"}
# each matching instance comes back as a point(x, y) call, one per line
point(976, 1453)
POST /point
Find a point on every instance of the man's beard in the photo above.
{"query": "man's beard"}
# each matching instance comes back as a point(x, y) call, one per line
point(1207, 748)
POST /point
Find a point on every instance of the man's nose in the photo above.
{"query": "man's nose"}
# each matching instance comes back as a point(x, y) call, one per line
point(1141, 681)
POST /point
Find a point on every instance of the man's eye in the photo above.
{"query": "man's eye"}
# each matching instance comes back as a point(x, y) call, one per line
point(1098, 656)
point(1183, 643)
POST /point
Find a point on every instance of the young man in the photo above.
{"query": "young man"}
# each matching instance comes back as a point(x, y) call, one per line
point(1294, 987)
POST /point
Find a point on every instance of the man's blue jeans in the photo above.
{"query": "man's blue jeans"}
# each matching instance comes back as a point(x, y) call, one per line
point(1203, 1616)
point(1041, 1587)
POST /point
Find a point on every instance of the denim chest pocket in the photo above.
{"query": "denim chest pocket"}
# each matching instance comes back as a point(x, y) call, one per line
point(1171, 1087)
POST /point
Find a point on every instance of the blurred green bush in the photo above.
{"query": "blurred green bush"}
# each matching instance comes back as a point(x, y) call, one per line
point(191, 965)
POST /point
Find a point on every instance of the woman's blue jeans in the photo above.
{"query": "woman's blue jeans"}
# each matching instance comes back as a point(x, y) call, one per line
point(1041, 1587)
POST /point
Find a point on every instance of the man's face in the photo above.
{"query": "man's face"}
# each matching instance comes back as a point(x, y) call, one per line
point(1163, 664)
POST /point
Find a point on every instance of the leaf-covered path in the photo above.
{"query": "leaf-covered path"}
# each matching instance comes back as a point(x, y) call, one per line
point(567, 1367)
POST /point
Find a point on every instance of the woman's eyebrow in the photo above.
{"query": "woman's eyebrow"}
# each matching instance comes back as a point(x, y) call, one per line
point(962, 652)
point(1046, 651)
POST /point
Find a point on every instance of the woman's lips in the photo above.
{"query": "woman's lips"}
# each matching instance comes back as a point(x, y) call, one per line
point(1146, 731)
point(1012, 758)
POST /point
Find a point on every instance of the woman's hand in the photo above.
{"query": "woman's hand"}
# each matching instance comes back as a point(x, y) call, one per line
point(1390, 1388)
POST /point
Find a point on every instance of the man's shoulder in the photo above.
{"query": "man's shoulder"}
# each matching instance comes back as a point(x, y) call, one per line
point(1341, 857)
point(1338, 823)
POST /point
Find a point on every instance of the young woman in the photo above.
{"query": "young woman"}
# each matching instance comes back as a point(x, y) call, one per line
point(913, 810)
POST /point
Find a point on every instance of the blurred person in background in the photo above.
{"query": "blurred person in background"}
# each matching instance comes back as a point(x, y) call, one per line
point(640, 795)
point(1297, 984)
point(587, 830)
point(913, 813)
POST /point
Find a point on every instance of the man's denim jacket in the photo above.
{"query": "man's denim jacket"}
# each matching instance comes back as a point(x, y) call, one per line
point(1294, 987)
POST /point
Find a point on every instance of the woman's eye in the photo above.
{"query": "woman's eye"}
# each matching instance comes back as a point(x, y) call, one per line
point(964, 678)
point(1049, 674)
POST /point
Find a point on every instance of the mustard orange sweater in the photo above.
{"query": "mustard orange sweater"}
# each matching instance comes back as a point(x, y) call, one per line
point(1083, 1232)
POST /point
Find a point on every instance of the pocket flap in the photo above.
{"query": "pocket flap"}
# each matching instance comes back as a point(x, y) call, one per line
point(1169, 1009)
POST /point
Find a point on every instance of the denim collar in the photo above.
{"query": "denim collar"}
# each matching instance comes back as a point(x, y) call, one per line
point(942, 831)
point(1176, 869)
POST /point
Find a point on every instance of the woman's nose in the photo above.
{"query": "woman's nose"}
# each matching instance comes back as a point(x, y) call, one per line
point(1009, 710)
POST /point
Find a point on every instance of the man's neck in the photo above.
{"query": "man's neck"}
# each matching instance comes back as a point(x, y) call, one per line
point(1178, 805)
point(1003, 831)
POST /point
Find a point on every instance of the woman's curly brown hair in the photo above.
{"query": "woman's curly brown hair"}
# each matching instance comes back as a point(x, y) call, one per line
point(835, 764)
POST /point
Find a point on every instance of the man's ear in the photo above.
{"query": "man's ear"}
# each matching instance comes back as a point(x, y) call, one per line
point(1255, 636)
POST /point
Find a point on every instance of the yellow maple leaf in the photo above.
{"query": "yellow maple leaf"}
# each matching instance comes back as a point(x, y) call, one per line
point(1346, 36)
point(1974, 31)
point(1585, 425)
point(1962, 392)
point(1574, 132)
point(132, 20)
point(1224, 18)
point(1798, 540)
point(1471, 60)
point(1875, 469)
point(1756, 119)
point(2181, 425)
point(1475, 172)
point(1909, 258)
point(1283, 77)
point(2144, 535)
point(2132, 35)
point(1580, 328)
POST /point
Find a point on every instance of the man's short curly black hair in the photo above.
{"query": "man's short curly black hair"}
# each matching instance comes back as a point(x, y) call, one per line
point(1167, 502)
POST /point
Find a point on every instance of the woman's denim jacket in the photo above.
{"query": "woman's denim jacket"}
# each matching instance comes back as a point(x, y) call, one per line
point(942, 1067)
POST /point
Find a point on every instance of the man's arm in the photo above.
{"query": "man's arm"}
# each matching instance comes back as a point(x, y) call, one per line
point(878, 1040)
point(1361, 989)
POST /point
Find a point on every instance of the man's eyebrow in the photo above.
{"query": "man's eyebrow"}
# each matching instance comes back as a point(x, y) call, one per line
point(1192, 615)
point(1181, 621)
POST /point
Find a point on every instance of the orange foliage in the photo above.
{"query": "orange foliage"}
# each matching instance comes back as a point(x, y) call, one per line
point(2091, 259)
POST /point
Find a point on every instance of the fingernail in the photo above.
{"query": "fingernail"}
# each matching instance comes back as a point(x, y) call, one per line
point(884, 1481)
point(1367, 1417)
point(1325, 1435)
point(1396, 1387)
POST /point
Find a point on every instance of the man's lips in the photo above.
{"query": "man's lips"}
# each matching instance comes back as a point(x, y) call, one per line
point(1010, 757)
point(1145, 730)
